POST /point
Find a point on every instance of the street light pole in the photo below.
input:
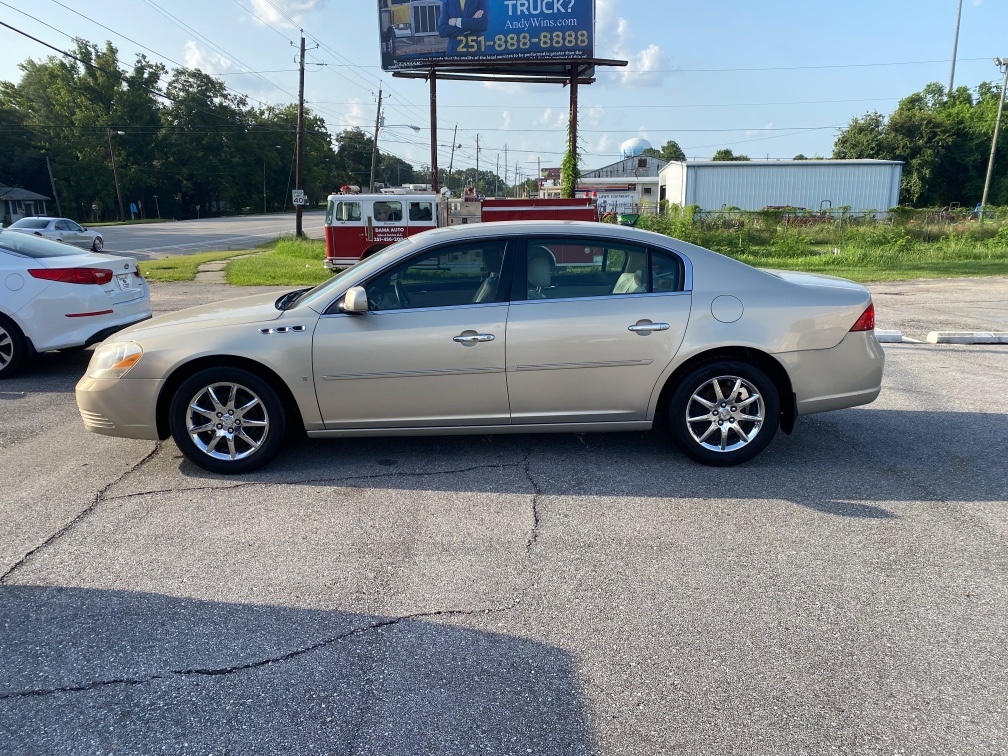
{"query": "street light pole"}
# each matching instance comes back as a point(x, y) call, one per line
point(1003, 64)
point(955, 48)
point(115, 175)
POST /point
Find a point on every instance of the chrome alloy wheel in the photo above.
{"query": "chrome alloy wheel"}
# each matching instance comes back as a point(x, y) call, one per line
point(725, 414)
point(227, 421)
point(6, 347)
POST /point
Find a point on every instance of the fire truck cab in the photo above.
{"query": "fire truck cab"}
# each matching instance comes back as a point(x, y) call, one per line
point(358, 225)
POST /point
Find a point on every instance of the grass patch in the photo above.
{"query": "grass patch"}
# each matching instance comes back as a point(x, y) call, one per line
point(874, 252)
point(291, 262)
point(181, 267)
point(145, 221)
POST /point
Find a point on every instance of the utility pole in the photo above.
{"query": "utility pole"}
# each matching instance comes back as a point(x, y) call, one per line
point(451, 163)
point(476, 188)
point(1003, 64)
point(955, 48)
point(574, 80)
point(374, 145)
point(115, 175)
point(433, 132)
point(497, 177)
point(298, 229)
point(505, 170)
point(53, 185)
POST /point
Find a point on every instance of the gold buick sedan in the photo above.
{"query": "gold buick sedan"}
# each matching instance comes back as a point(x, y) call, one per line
point(530, 327)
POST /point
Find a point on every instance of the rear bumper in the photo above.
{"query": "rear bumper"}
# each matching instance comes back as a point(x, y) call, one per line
point(848, 375)
point(123, 407)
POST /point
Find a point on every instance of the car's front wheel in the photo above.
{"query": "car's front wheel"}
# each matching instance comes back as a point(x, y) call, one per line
point(97, 244)
point(724, 413)
point(227, 420)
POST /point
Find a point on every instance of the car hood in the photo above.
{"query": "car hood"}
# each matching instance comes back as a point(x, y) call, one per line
point(259, 308)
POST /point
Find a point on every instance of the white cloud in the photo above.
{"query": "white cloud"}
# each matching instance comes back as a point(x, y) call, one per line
point(207, 62)
point(614, 40)
point(506, 120)
point(355, 115)
point(594, 115)
point(507, 87)
point(281, 12)
point(757, 132)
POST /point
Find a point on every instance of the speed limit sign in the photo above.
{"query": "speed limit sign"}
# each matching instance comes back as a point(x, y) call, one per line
point(299, 197)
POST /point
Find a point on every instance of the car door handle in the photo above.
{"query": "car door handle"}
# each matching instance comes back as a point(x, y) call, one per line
point(647, 328)
point(475, 338)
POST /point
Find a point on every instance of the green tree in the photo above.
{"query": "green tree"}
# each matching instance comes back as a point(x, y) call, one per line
point(672, 152)
point(726, 155)
point(942, 138)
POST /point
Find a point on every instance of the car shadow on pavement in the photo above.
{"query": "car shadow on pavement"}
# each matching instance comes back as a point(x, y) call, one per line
point(849, 463)
point(101, 671)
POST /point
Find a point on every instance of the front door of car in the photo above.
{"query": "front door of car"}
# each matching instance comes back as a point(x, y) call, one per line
point(430, 350)
point(590, 335)
point(78, 236)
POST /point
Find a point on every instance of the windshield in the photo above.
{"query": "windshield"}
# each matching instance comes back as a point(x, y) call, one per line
point(30, 223)
point(365, 266)
point(35, 247)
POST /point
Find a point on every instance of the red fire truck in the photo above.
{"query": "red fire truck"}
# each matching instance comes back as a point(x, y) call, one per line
point(358, 225)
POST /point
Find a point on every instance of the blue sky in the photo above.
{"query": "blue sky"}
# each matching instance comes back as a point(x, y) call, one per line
point(693, 76)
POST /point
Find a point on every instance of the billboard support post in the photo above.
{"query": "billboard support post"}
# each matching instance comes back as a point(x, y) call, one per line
point(433, 132)
point(573, 115)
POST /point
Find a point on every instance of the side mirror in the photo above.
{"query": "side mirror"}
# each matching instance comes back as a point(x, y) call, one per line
point(354, 301)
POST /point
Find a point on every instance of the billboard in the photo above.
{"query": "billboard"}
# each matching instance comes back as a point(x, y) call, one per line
point(424, 33)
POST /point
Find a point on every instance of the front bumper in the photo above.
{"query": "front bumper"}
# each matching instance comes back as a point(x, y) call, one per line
point(122, 407)
point(848, 375)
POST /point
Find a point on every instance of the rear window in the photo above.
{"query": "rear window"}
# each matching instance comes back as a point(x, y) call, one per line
point(30, 223)
point(35, 247)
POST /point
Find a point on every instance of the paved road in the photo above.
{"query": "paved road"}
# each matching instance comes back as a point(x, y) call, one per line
point(847, 592)
point(186, 237)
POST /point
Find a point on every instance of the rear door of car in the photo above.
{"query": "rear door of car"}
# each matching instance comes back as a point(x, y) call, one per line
point(588, 342)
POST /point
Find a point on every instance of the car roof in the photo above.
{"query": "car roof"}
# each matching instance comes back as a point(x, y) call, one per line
point(546, 228)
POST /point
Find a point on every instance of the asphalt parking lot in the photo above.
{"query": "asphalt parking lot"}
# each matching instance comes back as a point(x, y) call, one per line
point(845, 592)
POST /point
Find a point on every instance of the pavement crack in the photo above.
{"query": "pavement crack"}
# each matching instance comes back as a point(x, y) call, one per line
point(297, 653)
point(98, 499)
point(533, 535)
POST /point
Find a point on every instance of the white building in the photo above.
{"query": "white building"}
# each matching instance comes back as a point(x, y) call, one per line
point(628, 186)
point(810, 184)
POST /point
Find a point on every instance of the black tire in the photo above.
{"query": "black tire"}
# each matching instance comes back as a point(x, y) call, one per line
point(97, 245)
point(252, 445)
point(727, 422)
point(13, 348)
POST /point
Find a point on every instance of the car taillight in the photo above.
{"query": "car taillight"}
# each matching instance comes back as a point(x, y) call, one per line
point(98, 276)
point(867, 320)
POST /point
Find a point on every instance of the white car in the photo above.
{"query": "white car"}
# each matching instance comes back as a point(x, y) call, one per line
point(53, 296)
point(61, 230)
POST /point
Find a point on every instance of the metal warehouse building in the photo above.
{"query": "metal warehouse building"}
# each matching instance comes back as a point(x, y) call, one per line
point(810, 184)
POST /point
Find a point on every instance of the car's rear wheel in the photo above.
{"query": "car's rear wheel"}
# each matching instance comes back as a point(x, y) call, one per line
point(227, 420)
point(97, 244)
point(13, 349)
point(724, 413)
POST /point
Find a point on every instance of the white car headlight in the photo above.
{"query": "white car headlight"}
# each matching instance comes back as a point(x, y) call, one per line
point(114, 360)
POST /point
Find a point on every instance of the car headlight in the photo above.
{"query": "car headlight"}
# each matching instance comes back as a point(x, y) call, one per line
point(114, 360)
